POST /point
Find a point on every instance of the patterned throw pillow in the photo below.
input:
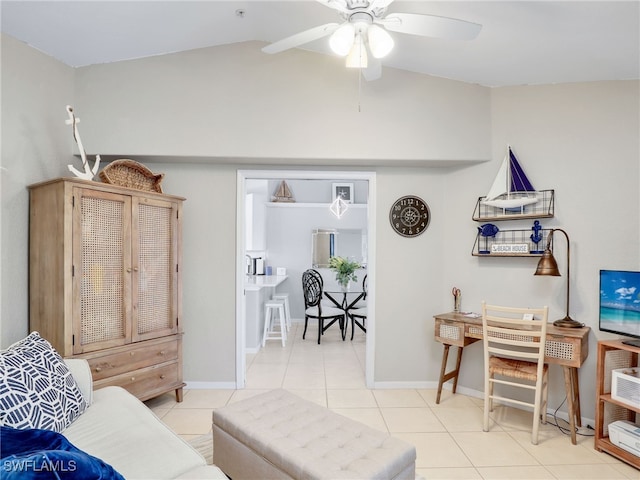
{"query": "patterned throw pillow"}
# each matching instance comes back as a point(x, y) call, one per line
point(37, 389)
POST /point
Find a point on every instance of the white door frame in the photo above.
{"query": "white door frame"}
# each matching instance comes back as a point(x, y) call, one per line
point(242, 176)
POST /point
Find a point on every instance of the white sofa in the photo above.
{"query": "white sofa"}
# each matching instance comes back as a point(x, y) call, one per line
point(123, 432)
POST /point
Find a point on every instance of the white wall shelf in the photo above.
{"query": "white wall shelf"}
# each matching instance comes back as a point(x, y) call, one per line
point(544, 208)
point(510, 243)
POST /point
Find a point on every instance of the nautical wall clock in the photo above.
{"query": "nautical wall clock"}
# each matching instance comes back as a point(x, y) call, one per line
point(409, 216)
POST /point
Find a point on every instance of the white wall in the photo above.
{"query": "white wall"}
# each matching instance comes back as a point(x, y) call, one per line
point(36, 146)
point(583, 141)
point(235, 102)
point(226, 103)
point(579, 139)
point(208, 268)
point(409, 277)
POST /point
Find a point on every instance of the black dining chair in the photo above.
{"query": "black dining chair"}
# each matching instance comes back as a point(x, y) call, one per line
point(324, 302)
point(313, 308)
point(362, 303)
point(358, 313)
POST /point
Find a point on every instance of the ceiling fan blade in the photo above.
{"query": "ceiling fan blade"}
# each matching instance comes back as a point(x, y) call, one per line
point(379, 4)
point(301, 38)
point(431, 26)
point(373, 70)
point(340, 5)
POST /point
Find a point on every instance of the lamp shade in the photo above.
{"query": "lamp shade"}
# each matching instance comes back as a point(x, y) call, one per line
point(342, 39)
point(380, 42)
point(547, 265)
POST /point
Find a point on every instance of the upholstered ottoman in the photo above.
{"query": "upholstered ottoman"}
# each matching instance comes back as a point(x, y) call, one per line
point(280, 435)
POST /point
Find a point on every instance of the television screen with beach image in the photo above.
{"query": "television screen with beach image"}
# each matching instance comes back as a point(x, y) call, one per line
point(620, 302)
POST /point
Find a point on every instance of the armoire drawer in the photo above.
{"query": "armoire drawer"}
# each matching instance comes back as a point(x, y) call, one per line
point(132, 357)
point(145, 382)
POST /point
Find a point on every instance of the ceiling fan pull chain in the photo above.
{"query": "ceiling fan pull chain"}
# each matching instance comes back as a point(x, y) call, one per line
point(359, 88)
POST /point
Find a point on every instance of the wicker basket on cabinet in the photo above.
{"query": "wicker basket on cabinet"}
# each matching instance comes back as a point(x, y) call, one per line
point(131, 174)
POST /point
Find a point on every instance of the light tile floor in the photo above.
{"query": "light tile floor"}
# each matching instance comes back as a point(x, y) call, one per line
point(448, 437)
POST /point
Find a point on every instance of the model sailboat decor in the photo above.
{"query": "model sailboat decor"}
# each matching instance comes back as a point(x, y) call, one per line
point(513, 195)
point(511, 188)
point(283, 194)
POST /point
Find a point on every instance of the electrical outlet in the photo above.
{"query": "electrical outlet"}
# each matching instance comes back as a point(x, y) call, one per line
point(527, 316)
point(586, 431)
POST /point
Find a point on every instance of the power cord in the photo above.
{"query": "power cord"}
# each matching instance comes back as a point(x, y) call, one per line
point(566, 430)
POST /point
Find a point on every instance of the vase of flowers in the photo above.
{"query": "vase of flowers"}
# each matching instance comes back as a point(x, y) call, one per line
point(345, 270)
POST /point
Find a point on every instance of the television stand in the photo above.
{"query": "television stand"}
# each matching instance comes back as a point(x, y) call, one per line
point(613, 354)
point(633, 343)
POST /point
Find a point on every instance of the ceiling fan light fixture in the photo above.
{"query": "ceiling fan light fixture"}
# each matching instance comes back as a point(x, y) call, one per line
point(357, 57)
point(341, 41)
point(368, 19)
point(380, 42)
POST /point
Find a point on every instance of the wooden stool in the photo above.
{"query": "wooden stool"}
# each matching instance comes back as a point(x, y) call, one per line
point(269, 332)
point(287, 311)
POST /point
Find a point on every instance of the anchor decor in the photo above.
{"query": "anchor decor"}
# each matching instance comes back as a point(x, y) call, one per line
point(89, 172)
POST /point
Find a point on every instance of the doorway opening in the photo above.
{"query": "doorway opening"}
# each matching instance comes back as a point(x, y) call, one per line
point(364, 200)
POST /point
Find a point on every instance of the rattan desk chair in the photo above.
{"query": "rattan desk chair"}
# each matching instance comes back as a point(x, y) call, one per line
point(514, 357)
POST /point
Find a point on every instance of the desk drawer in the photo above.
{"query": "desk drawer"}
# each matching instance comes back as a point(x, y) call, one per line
point(452, 333)
point(565, 350)
point(132, 357)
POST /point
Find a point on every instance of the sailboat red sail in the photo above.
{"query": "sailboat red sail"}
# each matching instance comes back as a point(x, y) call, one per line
point(511, 189)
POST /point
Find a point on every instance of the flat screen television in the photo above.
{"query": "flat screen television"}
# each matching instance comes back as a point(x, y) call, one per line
point(620, 304)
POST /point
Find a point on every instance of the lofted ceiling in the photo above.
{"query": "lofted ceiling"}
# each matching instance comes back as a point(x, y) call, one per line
point(521, 42)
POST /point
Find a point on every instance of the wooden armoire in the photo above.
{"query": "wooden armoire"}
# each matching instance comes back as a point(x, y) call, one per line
point(104, 281)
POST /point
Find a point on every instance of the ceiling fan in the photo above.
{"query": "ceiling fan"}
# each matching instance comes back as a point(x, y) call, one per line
point(364, 29)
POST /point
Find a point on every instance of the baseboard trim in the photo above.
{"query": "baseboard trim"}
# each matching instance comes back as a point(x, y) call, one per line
point(470, 392)
point(404, 385)
point(427, 385)
point(210, 385)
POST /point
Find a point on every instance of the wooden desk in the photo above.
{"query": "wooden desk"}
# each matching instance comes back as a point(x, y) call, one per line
point(568, 347)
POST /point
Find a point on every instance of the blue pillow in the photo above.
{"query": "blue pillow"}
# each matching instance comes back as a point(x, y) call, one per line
point(35, 454)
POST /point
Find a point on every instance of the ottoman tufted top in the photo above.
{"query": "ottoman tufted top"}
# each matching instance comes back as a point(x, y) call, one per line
point(308, 441)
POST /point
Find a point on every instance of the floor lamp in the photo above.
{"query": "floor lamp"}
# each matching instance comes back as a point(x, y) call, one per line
point(548, 266)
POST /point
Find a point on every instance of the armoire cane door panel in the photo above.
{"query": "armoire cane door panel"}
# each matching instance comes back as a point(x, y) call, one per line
point(101, 270)
point(155, 274)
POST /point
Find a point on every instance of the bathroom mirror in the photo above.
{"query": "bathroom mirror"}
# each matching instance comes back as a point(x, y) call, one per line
point(342, 242)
